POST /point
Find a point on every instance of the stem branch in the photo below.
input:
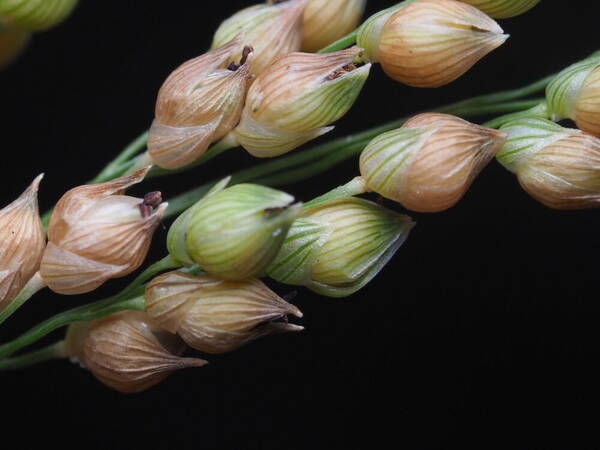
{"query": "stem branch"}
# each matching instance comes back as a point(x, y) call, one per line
point(83, 313)
point(116, 167)
point(298, 167)
point(92, 311)
point(34, 285)
point(540, 110)
point(54, 351)
point(341, 44)
point(303, 165)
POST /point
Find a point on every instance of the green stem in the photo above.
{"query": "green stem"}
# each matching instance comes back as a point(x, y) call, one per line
point(139, 162)
point(540, 111)
point(54, 351)
point(127, 162)
point(162, 265)
point(316, 166)
point(497, 108)
point(83, 313)
point(513, 94)
point(460, 108)
point(34, 285)
point(298, 167)
point(303, 165)
point(342, 43)
point(116, 167)
point(356, 186)
point(92, 311)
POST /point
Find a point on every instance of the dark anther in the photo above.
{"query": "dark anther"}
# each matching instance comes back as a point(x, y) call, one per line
point(145, 210)
point(274, 211)
point(151, 200)
point(342, 71)
point(278, 1)
point(245, 53)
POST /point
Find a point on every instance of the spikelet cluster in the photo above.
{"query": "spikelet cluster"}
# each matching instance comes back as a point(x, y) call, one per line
point(429, 163)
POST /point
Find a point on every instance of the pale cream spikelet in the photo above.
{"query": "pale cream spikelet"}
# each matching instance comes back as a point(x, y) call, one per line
point(326, 21)
point(430, 43)
point(198, 104)
point(214, 315)
point(127, 351)
point(429, 163)
point(96, 233)
point(22, 242)
point(587, 106)
point(296, 98)
point(369, 33)
point(273, 30)
point(336, 247)
point(235, 232)
point(575, 94)
point(558, 166)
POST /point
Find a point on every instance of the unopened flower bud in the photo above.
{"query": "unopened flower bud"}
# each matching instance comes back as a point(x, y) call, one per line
point(127, 351)
point(295, 99)
point(34, 15)
point(199, 103)
point(214, 315)
point(575, 94)
point(429, 163)
point(272, 30)
point(337, 247)
point(325, 21)
point(22, 242)
point(430, 43)
point(233, 233)
point(559, 167)
point(12, 43)
point(369, 33)
point(503, 9)
point(96, 234)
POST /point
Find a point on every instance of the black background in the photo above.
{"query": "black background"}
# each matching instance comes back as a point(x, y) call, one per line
point(481, 333)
